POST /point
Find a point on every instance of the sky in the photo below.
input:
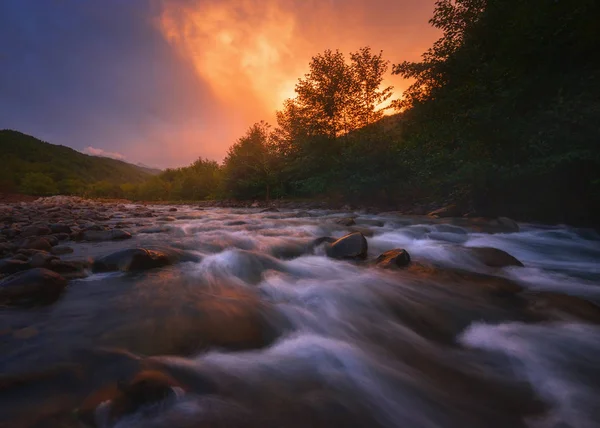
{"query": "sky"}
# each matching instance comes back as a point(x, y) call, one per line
point(163, 82)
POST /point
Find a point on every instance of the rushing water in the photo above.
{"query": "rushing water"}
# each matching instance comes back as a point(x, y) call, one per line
point(348, 344)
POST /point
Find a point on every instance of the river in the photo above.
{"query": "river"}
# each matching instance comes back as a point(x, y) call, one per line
point(254, 326)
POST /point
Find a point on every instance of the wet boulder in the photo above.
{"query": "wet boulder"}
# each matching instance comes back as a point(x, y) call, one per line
point(105, 235)
point(155, 229)
point(32, 286)
point(345, 221)
point(35, 231)
point(36, 243)
point(448, 211)
point(22, 256)
point(235, 223)
point(269, 210)
point(62, 236)
point(61, 249)
point(60, 228)
point(52, 240)
point(14, 265)
point(369, 222)
point(70, 269)
point(351, 246)
point(487, 225)
point(134, 259)
point(392, 259)
point(493, 257)
point(508, 224)
point(322, 240)
point(42, 259)
point(55, 391)
point(146, 388)
point(369, 233)
point(92, 227)
point(6, 248)
point(196, 317)
point(556, 306)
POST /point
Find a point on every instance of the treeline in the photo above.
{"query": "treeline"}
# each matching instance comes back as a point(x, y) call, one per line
point(330, 140)
point(503, 117)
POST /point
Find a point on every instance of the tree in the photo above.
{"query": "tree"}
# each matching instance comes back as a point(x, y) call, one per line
point(71, 186)
point(36, 183)
point(368, 71)
point(250, 165)
point(325, 95)
point(455, 18)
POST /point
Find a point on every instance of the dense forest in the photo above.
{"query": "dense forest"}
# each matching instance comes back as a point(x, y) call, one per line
point(502, 117)
point(34, 167)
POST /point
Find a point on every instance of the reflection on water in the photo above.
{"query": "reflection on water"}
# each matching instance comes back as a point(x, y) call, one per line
point(287, 337)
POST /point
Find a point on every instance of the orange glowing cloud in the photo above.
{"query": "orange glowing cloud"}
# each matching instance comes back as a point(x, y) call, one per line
point(242, 49)
point(252, 52)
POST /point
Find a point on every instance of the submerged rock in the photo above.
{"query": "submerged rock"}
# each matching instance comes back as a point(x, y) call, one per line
point(235, 223)
point(60, 228)
point(131, 259)
point(351, 246)
point(13, 265)
point(105, 235)
point(137, 259)
point(393, 259)
point(33, 286)
point(42, 260)
point(35, 231)
point(493, 257)
point(62, 249)
point(345, 221)
point(36, 243)
point(557, 306)
point(70, 269)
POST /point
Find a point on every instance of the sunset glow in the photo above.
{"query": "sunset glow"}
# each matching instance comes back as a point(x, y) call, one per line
point(252, 52)
point(167, 81)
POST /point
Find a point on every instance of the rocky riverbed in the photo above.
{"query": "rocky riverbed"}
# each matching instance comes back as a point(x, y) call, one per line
point(124, 315)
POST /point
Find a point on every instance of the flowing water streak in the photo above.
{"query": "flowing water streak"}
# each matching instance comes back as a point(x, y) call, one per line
point(359, 346)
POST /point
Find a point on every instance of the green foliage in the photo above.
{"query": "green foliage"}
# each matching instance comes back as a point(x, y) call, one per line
point(64, 170)
point(337, 97)
point(509, 100)
point(36, 183)
point(251, 168)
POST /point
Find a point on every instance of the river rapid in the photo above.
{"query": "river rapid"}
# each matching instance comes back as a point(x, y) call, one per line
point(254, 326)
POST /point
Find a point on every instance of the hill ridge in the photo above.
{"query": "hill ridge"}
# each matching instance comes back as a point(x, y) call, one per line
point(34, 166)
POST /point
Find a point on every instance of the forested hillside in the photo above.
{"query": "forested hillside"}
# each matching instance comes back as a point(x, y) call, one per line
point(34, 167)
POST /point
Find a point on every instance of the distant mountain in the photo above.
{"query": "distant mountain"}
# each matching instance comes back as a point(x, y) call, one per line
point(27, 161)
